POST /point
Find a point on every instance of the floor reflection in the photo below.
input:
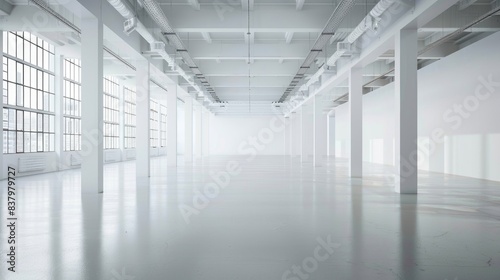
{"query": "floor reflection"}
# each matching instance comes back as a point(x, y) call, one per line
point(265, 221)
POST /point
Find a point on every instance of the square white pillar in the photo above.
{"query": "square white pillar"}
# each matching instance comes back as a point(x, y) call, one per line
point(320, 131)
point(306, 131)
point(295, 133)
point(287, 139)
point(172, 126)
point(1, 110)
point(188, 121)
point(197, 131)
point(59, 110)
point(92, 105)
point(356, 122)
point(406, 115)
point(291, 135)
point(142, 149)
point(205, 132)
point(331, 135)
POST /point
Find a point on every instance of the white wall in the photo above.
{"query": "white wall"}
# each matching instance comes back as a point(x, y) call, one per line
point(459, 131)
point(236, 135)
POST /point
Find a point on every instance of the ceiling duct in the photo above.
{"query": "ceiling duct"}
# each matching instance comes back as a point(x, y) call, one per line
point(340, 12)
point(370, 21)
point(45, 6)
point(345, 97)
point(133, 24)
point(156, 13)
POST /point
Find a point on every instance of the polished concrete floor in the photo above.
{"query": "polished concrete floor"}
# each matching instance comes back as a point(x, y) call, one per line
point(274, 219)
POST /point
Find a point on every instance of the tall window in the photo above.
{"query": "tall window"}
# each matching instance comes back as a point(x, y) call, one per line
point(72, 105)
point(111, 113)
point(153, 122)
point(130, 118)
point(163, 126)
point(28, 94)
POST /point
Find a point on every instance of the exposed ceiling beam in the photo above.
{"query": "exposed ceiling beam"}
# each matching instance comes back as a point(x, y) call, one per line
point(300, 4)
point(464, 4)
point(195, 4)
point(288, 37)
point(214, 50)
point(284, 18)
point(5, 8)
point(207, 37)
point(247, 5)
point(237, 68)
point(435, 37)
point(220, 58)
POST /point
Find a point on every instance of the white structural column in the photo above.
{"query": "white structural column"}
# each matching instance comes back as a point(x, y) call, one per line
point(297, 138)
point(406, 112)
point(331, 134)
point(122, 118)
point(288, 126)
point(197, 131)
point(320, 131)
point(92, 115)
point(59, 110)
point(188, 138)
point(205, 127)
point(142, 149)
point(356, 122)
point(306, 131)
point(172, 126)
point(1, 111)
point(290, 134)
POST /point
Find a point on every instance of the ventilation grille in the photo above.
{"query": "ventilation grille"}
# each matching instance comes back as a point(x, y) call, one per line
point(75, 160)
point(31, 164)
point(111, 156)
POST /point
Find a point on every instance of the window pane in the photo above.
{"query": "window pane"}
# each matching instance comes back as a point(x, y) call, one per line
point(12, 119)
point(11, 91)
point(33, 142)
point(46, 147)
point(20, 120)
point(39, 137)
point(27, 119)
point(12, 142)
point(33, 121)
point(20, 142)
point(27, 142)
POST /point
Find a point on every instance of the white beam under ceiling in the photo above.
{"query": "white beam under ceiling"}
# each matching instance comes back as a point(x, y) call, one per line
point(464, 4)
point(203, 49)
point(300, 4)
point(285, 18)
point(5, 8)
